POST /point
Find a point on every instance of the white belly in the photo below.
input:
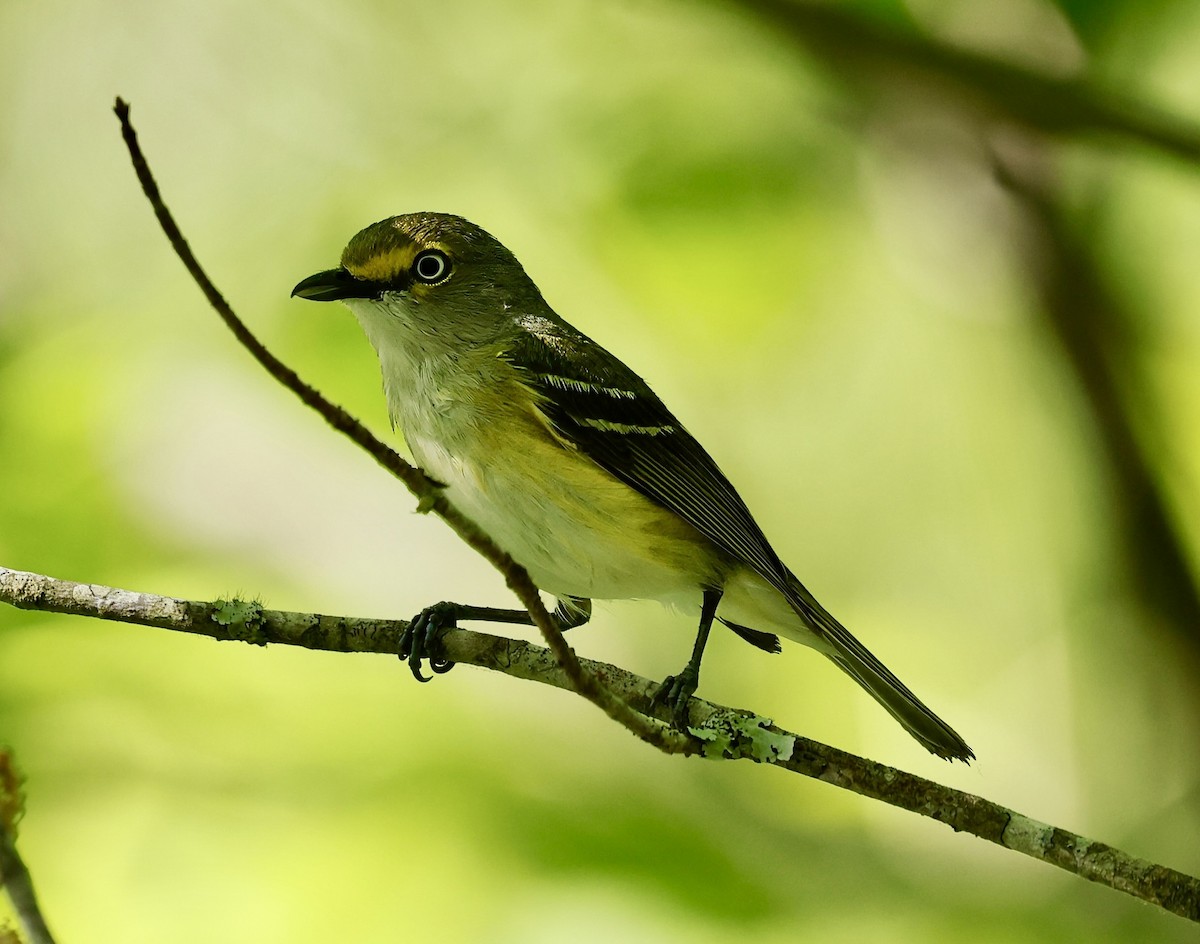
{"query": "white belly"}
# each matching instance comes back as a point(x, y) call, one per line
point(576, 529)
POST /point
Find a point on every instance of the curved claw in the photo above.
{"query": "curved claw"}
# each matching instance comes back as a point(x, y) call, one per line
point(674, 693)
point(421, 641)
point(414, 666)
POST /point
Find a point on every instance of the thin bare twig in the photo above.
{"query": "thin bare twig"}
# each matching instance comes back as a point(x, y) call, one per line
point(427, 492)
point(730, 733)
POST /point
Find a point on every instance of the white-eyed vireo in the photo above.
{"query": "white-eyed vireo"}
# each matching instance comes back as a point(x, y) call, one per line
point(568, 460)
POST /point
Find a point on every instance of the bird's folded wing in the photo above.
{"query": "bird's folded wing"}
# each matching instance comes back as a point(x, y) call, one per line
point(604, 409)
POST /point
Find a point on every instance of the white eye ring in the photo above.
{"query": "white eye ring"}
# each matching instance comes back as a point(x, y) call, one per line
point(431, 266)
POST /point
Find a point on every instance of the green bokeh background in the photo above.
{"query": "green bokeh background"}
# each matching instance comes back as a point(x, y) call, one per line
point(822, 276)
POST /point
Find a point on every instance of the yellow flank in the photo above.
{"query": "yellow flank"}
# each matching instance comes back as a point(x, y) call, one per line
point(382, 266)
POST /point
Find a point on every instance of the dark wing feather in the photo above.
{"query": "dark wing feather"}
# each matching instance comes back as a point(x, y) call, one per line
point(601, 406)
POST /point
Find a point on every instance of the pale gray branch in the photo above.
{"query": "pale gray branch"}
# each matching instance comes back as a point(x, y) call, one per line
point(727, 733)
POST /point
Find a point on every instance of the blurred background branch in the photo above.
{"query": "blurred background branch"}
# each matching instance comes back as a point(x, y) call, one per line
point(861, 48)
point(1100, 344)
point(1094, 330)
point(14, 876)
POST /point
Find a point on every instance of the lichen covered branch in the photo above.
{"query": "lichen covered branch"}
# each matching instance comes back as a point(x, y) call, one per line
point(725, 733)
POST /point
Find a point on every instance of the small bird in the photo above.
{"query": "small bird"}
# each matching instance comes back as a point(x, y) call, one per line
point(569, 462)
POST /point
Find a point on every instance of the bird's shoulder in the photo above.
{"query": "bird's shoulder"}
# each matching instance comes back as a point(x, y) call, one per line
point(581, 379)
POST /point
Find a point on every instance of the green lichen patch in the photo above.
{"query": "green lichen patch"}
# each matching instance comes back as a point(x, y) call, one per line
point(242, 619)
point(733, 736)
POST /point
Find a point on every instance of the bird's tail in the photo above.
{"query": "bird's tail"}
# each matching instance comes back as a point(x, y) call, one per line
point(937, 736)
point(856, 661)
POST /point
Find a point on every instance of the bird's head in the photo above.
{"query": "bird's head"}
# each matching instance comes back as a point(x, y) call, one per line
point(434, 272)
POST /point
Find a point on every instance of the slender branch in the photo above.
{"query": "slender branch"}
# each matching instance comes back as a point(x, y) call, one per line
point(728, 733)
point(427, 491)
point(14, 876)
point(852, 43)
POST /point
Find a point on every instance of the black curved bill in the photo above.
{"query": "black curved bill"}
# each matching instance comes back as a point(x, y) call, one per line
point(332, 284)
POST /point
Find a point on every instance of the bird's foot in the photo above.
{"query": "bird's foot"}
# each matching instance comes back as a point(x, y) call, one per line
point(675, 692)
point(422, 640)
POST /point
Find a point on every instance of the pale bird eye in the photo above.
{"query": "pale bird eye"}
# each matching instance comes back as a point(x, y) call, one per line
point(431, 266)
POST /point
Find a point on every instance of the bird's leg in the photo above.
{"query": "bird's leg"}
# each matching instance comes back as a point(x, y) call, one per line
point(676, 690)
point(421, 639)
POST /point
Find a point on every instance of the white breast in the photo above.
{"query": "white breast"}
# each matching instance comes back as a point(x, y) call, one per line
point(472, 424)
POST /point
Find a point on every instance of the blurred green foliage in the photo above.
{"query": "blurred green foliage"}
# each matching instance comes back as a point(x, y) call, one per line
point(819, 270)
